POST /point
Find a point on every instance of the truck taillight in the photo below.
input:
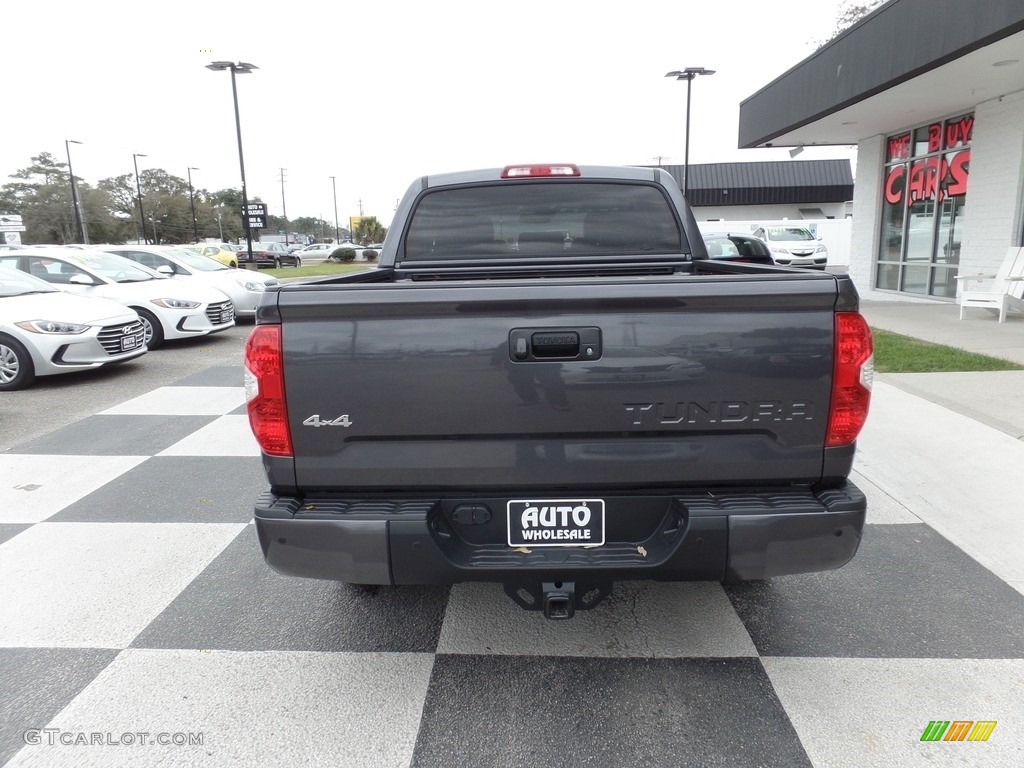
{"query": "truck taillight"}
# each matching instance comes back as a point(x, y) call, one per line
point(851, 380)
point(264, 390)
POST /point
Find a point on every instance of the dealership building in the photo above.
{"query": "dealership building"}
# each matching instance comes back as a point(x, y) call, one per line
point(931, 92)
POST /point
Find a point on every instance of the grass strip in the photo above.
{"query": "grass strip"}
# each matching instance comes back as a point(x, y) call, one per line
point(895, 353)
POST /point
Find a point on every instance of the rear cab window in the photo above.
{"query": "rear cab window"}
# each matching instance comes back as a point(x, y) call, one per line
point(543, 219)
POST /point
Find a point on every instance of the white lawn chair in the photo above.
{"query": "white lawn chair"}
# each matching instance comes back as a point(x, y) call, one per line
point(1004, 292)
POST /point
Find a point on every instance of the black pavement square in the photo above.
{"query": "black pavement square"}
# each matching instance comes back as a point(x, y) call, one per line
point(175, 489)
point(129, 435)
point(239, 603)
point(215, 376)
point(37, 683)
point(908, 593)
point(541, 711)
point(10, 530)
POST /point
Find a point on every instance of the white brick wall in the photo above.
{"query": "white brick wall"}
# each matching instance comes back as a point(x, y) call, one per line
point(867, 212)
point(995, 195)
point(996, 187)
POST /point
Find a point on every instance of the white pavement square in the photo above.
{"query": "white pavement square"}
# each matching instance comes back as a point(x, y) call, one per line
point(362, 709)
point(959, 476)
point(227, 436)
point(868, 713)
point(182, 401)
point(35, 487)
point(97, 585)
point(640, 619)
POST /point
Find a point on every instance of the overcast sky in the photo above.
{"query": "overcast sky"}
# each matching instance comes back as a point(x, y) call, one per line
point(380, 92)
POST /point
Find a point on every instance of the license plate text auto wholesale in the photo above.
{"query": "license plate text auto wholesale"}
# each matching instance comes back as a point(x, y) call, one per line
point(128, 342)
point(556, 523)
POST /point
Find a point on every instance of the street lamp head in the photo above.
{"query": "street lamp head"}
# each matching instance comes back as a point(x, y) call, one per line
point(689, 73)
point(138, 154)
point(71, 141)
point(241, 68)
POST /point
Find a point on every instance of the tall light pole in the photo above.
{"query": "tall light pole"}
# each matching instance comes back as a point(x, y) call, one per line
point(138, 189)
point(192, 203)
point(688, 74)
point(284, 211)
point(337, 233)
point(241, 68)
point(75, 201)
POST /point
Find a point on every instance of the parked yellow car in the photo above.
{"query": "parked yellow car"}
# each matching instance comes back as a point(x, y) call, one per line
point(219, 251)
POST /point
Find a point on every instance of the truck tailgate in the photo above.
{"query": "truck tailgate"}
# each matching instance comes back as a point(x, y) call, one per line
point(580, 384)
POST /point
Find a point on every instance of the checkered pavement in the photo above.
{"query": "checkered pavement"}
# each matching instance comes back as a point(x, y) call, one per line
point(134, 603)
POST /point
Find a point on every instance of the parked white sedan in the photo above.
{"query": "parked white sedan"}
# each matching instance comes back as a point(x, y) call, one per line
point(169, 309)
point(45, 331)
point(244, 287)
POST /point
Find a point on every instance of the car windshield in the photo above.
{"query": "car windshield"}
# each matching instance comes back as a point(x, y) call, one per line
point(789, 233)
point(116, 268)
point(527, 220)
point(16, 283)
point(194, 260)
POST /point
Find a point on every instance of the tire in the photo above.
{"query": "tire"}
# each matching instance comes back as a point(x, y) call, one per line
point(277, 262)
point(154, 333)
point(233, 265)
point(17, 370)
point(298, 262)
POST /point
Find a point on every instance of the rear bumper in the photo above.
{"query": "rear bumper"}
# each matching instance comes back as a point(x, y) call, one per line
point(707, 535)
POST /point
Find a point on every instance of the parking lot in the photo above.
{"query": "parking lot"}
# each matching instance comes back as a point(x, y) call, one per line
point(139, 624)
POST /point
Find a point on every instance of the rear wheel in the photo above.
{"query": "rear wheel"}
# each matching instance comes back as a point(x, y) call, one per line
point(233, 265)
point(16, 367)
point(154, 332)
point(277, 262)
point(298, 262)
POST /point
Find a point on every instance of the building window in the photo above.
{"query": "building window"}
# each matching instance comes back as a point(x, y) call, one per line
point(924, 205)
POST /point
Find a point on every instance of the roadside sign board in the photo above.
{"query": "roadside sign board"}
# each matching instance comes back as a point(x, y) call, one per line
point(255, 215)
point(11, 222)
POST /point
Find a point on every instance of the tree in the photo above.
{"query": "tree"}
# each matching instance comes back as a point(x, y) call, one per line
point(316, 228)
point(42, 195)
point(852, 11)
point(369, 230)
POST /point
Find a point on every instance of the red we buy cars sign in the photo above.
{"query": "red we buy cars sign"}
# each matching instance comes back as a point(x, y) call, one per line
point(936, 177)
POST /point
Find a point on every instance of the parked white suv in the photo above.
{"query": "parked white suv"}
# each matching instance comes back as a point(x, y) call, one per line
point(793, 245)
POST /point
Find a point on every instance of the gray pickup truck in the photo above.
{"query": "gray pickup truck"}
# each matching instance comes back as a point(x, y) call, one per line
point(547, 384)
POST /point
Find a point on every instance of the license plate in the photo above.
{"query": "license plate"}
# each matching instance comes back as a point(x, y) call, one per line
point(556, 523)
point(128, 342)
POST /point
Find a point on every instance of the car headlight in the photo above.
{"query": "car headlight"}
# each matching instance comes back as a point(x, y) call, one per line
point(820, 249)
point(782, 250)
point(52, 326)
point(251, 285)
point(175, 303)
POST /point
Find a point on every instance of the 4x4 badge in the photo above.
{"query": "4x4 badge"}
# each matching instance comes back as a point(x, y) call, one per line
point(316, 421)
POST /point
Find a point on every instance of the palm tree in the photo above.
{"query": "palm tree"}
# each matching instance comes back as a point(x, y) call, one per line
point(369, 230)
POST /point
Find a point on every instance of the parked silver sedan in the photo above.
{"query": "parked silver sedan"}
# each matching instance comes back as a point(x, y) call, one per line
point(169, 309)
point(45, 331)
point(243, 287)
